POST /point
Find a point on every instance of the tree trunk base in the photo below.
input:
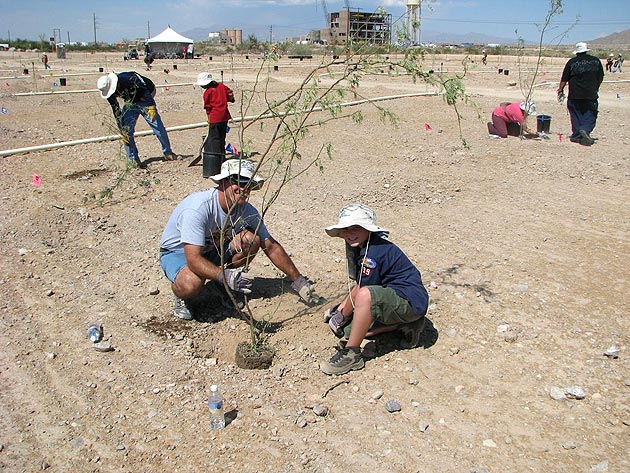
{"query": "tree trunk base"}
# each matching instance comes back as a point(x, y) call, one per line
point(249, 358)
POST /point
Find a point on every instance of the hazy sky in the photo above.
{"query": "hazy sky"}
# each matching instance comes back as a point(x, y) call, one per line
point(126, 19)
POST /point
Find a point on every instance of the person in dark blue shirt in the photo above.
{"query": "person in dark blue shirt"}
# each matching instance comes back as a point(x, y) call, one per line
point(584, 74)
point(388, 293)
point(137, 94)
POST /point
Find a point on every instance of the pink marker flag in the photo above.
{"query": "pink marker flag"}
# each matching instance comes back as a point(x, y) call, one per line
point(37, 181)
point(427, 127)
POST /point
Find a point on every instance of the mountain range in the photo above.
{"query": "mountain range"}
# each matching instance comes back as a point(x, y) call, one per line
point(619, 38)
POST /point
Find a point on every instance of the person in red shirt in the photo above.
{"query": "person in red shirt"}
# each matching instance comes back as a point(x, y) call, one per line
point(216, 97)
point(507, 115)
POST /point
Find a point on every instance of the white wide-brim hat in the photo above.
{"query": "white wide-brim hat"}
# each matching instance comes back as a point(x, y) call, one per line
point(355, 214)
point(528, 107)
point(203, 79)
point(241, 170)
point(107, 85)
point(580, 48)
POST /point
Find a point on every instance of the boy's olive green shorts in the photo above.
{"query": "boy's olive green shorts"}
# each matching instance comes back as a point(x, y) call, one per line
point(388, 308)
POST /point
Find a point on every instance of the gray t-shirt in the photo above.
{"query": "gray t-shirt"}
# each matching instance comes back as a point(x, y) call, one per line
point(198, 219)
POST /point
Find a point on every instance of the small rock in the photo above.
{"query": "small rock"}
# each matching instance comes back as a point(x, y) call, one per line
point(154, 292)
point(120, 447)
point(50, 292)
point(377, 394)
point(320, 411)
point(22, 251)
point(45, 465)
point(392, 406)
point(503, 328)
point(574, 392)
point(278, 371)
point(211, 362)
point(568, 445)
point(522, 287)
point(557, 393)
point(510, 337)
point(454, 350)
point(600, 467)
point(302, 423)
point(424, 425)
point(612, 352)
point(103, 346)
point(489, 443)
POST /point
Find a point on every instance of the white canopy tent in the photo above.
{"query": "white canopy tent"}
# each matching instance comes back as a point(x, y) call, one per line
point(169, 44)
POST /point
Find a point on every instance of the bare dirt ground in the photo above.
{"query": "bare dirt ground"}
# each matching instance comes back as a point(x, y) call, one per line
point(523, 245)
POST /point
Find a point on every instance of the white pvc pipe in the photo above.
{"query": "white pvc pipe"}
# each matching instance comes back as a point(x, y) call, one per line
point(61, 92)
point(603, 82)
point(191, 126)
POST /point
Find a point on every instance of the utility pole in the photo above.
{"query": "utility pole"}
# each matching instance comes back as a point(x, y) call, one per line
point(94, 15)
point(270, 34)
point(9, 31)
point(148, 29)
point(68, 36)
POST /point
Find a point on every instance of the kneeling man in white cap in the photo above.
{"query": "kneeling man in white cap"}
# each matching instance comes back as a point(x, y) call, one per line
point(212, 234)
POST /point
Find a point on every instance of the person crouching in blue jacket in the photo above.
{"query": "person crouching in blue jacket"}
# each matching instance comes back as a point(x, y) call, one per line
point(387, 295)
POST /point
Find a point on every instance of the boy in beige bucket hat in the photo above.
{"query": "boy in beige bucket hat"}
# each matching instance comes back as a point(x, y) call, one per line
point(387, 295)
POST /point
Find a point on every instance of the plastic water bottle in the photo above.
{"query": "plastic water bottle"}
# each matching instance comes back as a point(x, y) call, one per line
point(95, 332)
point(215, 404)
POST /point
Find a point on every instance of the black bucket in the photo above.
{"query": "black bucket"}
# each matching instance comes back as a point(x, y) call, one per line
point(62, 81)
point(211, 163)
point(275, 68)
point(500, 71)
point(25, 72)
point(100, 69)
point(506, 71)
point(209, 58)
point(174, 66)
point(543, 123)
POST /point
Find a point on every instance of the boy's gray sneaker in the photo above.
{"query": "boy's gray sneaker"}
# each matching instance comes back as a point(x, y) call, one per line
point(411, 333)
point(180, 309)
point(344, 361)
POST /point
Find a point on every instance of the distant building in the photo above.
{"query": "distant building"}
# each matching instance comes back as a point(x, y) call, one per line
point(235, 36)
point(231, 37)
point(352, 25)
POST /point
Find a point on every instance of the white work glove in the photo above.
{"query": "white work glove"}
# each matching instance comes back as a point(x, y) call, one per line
point(305, 290)
point(237, 280)
point(334, 318)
